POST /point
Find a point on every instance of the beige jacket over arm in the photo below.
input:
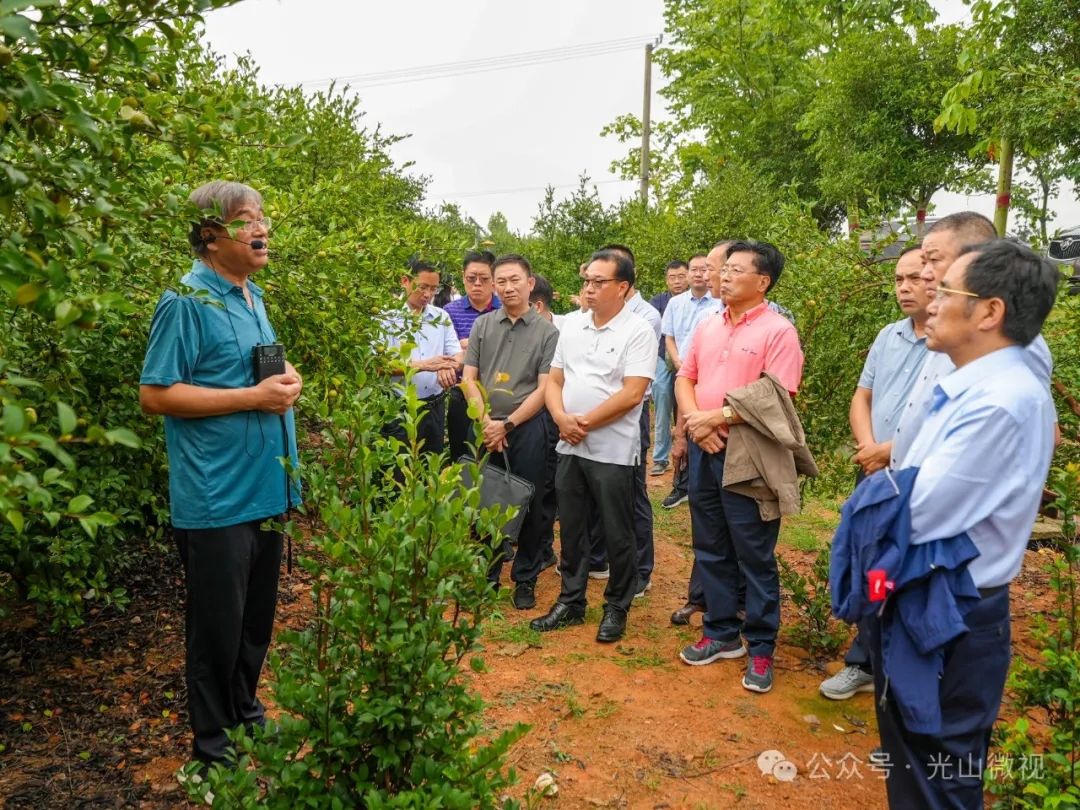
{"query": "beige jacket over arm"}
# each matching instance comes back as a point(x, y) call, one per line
point(767, 454)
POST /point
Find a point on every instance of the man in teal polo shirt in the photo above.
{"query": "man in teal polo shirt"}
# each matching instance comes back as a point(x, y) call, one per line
point(225, 436)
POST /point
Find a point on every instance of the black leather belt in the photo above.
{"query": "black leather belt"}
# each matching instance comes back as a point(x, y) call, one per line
point(986, 593)
point(436, 398)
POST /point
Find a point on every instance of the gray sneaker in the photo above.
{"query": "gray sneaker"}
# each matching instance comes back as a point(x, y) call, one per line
point(758, 677)
point(708, 650)
point(847, 683)
point(658, 468)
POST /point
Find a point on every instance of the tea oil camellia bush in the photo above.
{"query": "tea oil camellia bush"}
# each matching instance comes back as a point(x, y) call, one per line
point(110, 114)
point(376, 707)
point(1038, 764)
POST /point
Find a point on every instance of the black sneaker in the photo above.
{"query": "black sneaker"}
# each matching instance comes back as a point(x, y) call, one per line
point(675, 498)
point(508, 553)
point(600, 573)
point(525, 595)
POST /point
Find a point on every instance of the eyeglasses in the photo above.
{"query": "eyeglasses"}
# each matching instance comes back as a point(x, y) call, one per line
point(477, 279)
point(427, 288)
point(733, 271)
point(252, 224)
point(944, 292)
point(598, 283)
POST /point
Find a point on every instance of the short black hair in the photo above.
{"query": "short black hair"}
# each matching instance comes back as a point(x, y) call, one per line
point(542, 292)
point(768, 260)
point(622, 249)
point(624, 268)
point(512, 258)
point(675, 265)
point(480, 256)
point(909, 249)
point(697, 256)
point(968, 227)
point(1024, 280)
point(414, 266)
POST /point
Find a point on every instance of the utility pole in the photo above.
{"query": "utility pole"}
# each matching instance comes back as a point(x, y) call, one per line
point(646, 124)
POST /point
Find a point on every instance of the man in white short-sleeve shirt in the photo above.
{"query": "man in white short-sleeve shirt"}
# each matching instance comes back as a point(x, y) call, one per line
point(603, 365)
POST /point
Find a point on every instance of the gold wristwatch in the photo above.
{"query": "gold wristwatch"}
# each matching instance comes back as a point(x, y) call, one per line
point(729, 414)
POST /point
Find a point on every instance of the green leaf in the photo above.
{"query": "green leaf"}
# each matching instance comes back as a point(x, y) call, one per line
point(18, 27)
point(28, 293)
point(124, 437)
point(14, 420)
point(68, 422)
point(11, 6)
point(79, 504)
point(15, 518)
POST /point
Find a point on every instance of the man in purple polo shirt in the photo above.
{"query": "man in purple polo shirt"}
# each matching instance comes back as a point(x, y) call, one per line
point(479, 298)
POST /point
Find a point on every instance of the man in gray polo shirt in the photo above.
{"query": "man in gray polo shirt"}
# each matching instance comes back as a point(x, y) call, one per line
point(510, 352)
point(889, 375)
point(603, 365)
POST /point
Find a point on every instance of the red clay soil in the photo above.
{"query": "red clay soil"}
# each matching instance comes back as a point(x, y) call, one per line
point(95, 718)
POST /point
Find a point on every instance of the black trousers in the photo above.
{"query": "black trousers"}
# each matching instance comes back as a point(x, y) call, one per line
point(526, 456)
point(729, 537)
point(550, 507)
point(643, 516)
point(231, 578)
point(431, 429)
point(459, 426)
point(946, 770)
point(588, 488)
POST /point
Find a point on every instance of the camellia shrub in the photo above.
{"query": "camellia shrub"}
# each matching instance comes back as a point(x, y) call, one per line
point(375, 706)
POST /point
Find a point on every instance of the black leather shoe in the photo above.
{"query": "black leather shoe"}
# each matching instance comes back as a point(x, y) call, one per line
point(558, 617)
point(683, 614)
point(612, 626)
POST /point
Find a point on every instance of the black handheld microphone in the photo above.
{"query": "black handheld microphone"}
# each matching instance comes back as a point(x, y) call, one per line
point(257, 244)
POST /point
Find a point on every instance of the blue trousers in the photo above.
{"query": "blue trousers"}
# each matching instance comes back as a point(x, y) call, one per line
point(945, 771)
point(729, 534)
point(663, 394)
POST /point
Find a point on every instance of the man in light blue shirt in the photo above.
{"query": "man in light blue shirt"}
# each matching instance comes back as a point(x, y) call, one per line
point(983, 450)
point(684, 312)
point(436, 356)
point(944, 242)
point(890, 372)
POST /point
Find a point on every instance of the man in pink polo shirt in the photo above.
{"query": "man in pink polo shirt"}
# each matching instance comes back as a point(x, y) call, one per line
point(729, 350)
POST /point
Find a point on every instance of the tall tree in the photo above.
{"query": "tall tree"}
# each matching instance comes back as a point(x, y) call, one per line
point(871, 121)
point(1021, 85)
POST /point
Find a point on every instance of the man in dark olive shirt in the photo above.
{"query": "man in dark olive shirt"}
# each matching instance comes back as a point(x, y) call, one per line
point(509, 353)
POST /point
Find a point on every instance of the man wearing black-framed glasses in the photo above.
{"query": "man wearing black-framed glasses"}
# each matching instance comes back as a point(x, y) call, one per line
point(604, 362)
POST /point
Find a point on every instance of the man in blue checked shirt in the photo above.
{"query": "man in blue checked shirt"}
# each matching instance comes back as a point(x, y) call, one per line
point(983, 449)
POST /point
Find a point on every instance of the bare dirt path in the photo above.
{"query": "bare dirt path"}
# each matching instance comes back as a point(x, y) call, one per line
point(94, 718)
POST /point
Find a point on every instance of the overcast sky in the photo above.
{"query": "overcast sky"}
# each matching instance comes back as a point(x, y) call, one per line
point(490, 141)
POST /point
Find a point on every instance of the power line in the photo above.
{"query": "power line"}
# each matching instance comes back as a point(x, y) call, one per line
point(463, 68)
point(458, 195)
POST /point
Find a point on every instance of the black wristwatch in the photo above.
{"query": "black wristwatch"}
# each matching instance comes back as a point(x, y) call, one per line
point(509, 425)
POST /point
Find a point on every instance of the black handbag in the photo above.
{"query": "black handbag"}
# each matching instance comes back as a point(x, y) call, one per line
point(500, 488)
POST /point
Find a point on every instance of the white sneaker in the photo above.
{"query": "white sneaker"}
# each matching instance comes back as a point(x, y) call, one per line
point(847, 683)
point(645, 590)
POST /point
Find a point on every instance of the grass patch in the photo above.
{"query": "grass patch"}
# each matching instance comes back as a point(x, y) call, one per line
point(803, 539)
point(631, 658)
point(508, 631)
